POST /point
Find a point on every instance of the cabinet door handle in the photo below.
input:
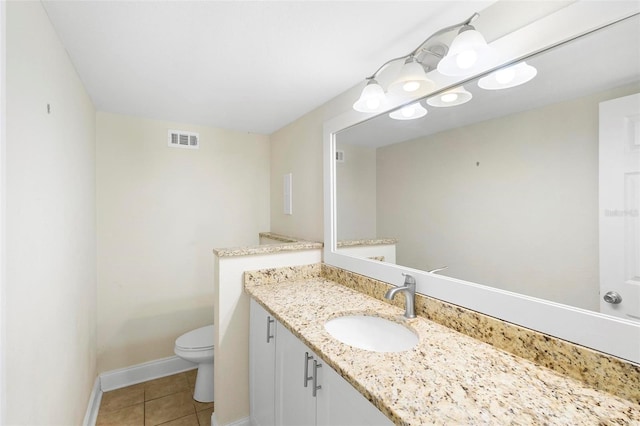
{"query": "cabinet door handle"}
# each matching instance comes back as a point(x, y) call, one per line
point(307, 358)
point(269, 322)
point(316, 386)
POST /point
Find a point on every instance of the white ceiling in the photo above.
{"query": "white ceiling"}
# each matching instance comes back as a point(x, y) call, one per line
point(246, 65)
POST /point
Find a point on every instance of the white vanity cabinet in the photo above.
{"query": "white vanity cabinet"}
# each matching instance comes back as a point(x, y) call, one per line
point(297, 371)
point(339, 403)
point(262, 361)
point(282, 388)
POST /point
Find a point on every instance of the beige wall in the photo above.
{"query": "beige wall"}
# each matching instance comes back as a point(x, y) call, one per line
point(297, 149)
point(3, 133)
point(356, 194)
point(231, 376)
point(50, 228)
point(525, 219)
point(161, 211)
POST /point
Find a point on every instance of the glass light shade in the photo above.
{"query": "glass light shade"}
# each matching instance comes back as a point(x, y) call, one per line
point(469, 53)
point(510, 76)
point(452, 97)
point(372, 98)
point(412, 80)
point(409, 112)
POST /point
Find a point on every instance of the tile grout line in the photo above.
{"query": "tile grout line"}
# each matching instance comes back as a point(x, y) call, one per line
point(196, 407)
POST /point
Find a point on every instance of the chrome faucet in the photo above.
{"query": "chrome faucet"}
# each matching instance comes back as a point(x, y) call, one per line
point(409, 290)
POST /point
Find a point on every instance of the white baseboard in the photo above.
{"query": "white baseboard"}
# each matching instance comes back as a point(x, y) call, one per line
point(91, 415)
point(142, 372)
point(242, 422)
point(117, 379)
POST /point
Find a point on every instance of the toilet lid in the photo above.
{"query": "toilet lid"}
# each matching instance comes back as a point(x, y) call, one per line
point(199, 338)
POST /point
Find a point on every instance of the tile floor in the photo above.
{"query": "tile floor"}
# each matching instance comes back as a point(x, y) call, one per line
point(167, 401)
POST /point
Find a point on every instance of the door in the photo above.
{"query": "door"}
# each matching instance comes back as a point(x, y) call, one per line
point(295, 403)
point(339, 403)
point(620, 207)
point(262, 362)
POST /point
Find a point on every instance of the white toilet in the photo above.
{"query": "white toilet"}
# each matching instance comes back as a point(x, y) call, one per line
point(197, 346)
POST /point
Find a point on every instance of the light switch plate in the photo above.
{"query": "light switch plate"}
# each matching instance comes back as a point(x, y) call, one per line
point(288, 204)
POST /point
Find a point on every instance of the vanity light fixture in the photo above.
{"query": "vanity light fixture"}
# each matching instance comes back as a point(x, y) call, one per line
point(412, 79)
point(469, 53)
point(470, 50)
point(452, 97)
point(372, 98)
point(511, 76)
point(409, 112)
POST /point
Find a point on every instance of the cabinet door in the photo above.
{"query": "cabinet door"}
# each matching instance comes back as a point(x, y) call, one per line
point(262, 366)
point(339, 403)
point(295, 404)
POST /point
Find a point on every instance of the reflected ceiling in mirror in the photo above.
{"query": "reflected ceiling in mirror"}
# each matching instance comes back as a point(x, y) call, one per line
point(607, 58)
point(503, 189)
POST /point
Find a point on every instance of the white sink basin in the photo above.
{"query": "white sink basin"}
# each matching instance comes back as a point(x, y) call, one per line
point(372, 333)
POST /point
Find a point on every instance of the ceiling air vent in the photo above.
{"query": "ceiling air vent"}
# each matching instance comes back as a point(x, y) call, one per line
point(182, 139)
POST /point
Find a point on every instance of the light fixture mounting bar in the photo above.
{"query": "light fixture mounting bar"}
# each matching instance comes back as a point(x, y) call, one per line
point(417, 50)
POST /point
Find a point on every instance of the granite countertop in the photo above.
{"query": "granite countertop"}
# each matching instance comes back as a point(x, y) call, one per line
point(292, 244)
point(448, 378)
point(367, 242)
point(266, 249)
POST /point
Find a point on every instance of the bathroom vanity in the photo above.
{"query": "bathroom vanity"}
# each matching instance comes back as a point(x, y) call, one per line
point(447, 378)
point(290, 384)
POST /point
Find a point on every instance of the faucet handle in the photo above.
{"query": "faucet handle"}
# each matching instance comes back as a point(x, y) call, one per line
point(409, 279)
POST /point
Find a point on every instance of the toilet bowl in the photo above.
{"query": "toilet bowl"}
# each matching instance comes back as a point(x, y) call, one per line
point(197, 346)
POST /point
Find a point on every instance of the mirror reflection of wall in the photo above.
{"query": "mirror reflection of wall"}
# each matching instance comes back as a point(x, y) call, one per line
point(356, 193)
point(510, 198)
